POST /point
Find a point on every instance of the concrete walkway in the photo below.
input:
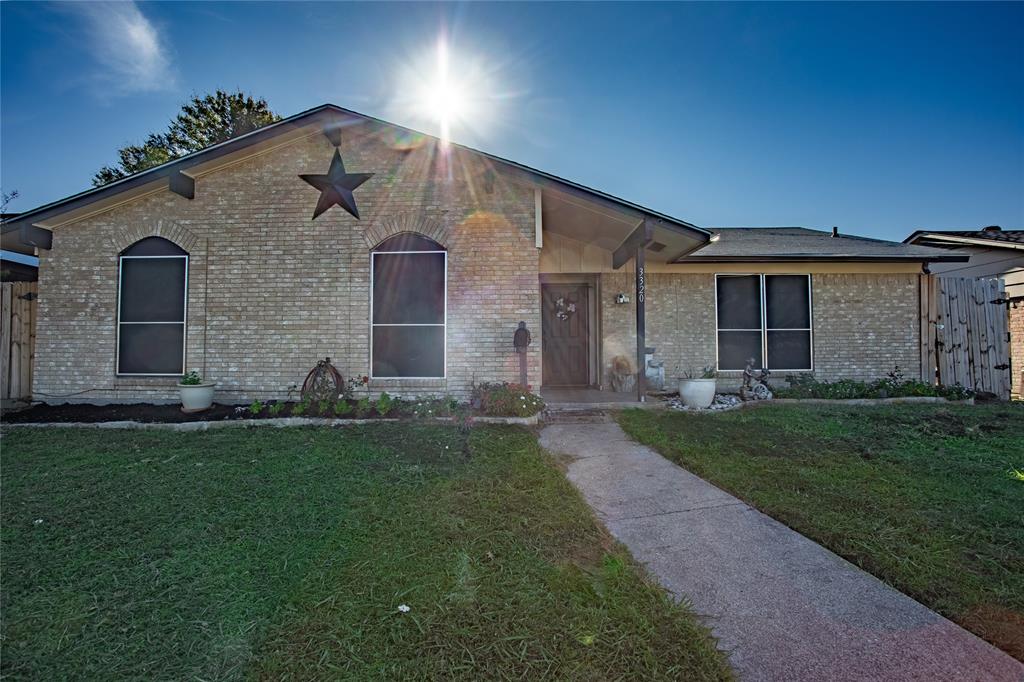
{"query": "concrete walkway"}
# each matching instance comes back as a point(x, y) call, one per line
point(784, 607)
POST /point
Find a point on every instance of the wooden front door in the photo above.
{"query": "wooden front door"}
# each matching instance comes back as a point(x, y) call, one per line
point(565, 330)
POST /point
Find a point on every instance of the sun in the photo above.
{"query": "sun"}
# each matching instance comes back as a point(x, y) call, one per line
point(450, 92)
point(443, 96)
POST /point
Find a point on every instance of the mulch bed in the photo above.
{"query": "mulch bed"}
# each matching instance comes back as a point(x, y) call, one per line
point(140, 412)
point(146, 412)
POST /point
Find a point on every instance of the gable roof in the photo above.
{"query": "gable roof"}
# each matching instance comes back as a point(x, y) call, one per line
point(325, 114)
point(757, 244)
point(991, 237)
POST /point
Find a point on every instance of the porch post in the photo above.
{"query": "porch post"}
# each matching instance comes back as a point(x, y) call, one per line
point(641, 323)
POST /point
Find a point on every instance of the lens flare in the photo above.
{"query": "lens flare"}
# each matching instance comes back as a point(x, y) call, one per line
point(451, 93)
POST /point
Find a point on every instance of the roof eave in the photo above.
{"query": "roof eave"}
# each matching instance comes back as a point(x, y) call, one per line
point(166, 170)
point(825, 258)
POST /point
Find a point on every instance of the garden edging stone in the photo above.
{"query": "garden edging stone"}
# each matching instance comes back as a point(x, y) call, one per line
point(279, 422)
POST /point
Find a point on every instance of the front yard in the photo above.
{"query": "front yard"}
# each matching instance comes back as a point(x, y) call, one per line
point(928, 498)
point(274, 553)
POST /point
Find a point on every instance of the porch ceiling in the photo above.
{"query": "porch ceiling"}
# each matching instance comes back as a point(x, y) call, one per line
point(577, 217)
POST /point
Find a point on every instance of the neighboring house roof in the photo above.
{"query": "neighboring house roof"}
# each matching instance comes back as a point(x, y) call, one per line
point(756, 244)
point(991, 237)
point(327, 113)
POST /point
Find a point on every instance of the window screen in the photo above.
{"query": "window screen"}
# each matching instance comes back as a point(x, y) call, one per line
point(739, 321)
point(151, 308)
point(788, 321)
point(409, 308)
point(764, 317)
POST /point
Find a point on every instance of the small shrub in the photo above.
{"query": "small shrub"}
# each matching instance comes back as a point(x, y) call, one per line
point(193, 378)
point(384, 404)
point(324, 407)
point(506, 400)
point(299, 408)
point(342, 408)
point(894, 385)
point(707, 372)
point(275, 409)
point(256, 407)
point(363, 407)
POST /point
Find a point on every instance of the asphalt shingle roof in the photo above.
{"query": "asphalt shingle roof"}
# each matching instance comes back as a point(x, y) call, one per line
point(1011, 236)
point(801, 243)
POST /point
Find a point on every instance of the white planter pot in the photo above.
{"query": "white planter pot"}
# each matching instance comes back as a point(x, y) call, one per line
point(196, 397)
point(697, 393)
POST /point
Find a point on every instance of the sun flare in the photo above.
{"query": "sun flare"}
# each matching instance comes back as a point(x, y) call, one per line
point(455, 91)
point(443, 97)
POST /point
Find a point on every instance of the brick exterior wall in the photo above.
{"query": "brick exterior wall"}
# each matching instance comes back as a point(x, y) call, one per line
point(271, 292)
point(863, 324)
point(1017, 349)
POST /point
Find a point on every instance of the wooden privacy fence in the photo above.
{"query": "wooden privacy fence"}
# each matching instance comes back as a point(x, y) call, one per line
point(17, 338)
point(964, 333)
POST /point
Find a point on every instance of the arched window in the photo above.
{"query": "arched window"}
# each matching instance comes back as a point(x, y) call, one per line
point(151, 308)
point(409, 308)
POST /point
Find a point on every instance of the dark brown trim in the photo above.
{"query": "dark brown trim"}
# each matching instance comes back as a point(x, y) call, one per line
point(824, 258)
point(641, 322)
point(637, 240)
point(36, 236)
point(182, 185)
point(331, 117)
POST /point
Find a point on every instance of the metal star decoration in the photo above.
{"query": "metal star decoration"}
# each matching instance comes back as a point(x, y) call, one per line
point(336, 187)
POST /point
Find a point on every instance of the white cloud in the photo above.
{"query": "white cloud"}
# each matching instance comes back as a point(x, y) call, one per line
point(129, 50)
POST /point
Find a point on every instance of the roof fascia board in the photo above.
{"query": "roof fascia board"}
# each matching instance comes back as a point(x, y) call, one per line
point(956, 239)
point(164, 170)
point(823, 258)
point(329, 113)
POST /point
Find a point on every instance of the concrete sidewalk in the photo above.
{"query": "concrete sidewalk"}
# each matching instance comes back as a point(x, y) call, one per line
point(783, 606)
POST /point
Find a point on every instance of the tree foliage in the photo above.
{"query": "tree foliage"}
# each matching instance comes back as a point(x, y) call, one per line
point(202, 122)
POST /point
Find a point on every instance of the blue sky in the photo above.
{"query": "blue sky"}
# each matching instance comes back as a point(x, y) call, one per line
point(879, 118)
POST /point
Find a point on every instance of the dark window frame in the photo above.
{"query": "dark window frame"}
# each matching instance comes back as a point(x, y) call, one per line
point(125, 255)
point(382, 250)
point(764, 328)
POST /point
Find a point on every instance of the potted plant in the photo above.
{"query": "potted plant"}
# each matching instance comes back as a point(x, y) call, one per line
point(196, 394)
point(695, 391)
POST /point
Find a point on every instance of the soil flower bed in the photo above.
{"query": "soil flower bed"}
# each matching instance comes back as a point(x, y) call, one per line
point(384, 407)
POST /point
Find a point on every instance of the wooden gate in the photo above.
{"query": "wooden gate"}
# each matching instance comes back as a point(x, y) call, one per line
point(964, 333)
point(17, 338)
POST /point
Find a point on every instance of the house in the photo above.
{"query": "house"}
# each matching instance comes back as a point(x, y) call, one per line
point(412, 261)
point(993, 253)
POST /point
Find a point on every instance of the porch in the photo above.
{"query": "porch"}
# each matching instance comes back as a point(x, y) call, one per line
point(593, 320)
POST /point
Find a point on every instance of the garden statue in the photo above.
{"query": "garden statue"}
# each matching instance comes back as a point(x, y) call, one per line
point(623, 377)
point(755, 384)
point(520, 340)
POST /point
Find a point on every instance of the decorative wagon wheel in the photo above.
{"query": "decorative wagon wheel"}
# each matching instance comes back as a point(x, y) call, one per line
point(322, 383)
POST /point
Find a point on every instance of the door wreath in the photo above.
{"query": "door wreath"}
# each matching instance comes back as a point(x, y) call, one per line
point(564, 309)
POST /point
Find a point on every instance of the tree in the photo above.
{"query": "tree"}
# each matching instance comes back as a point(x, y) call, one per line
point(202, 122)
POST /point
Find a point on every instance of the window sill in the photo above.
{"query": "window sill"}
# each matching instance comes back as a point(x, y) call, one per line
point(408, 383)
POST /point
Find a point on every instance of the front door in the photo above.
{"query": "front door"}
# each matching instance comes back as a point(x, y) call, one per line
point(565, 323)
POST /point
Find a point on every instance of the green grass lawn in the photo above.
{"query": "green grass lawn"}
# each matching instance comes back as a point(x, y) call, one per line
point(285, 553)
point(923, 496)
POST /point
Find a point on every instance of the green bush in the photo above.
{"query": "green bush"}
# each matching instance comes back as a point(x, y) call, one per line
point(256, 407)
point(384, 404)
point(894, 385)
point(506, 400)
point(363, 407)
point(193, 378)
point(342, 408)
